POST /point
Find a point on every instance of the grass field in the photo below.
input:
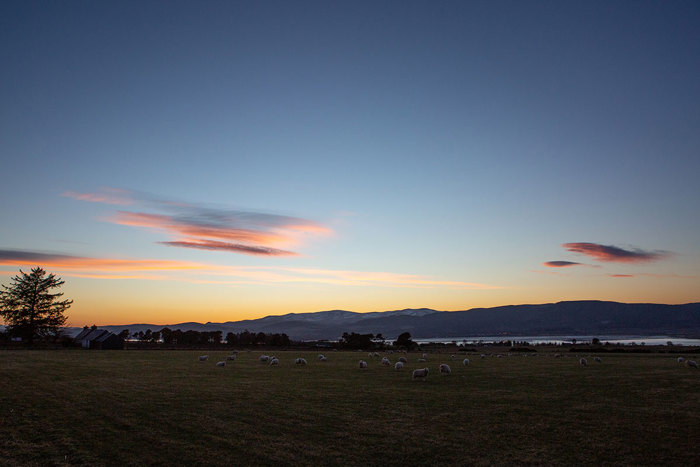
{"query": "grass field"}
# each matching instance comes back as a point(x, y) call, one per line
point(164, 407)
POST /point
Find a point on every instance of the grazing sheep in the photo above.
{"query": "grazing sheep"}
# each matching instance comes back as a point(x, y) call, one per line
point(452, 356)
point(376, 354)
point(403, 359)
point(465, 362)
point(220, 363)
point(583, 362)
point(483, 356)
point(398, 366)
point(369, 355)
point(420, 373)
point(300, 361)
point(692, 363)
point(445, 369)
point(203, 358)
point(425, 355)
point(231, 357)
point(274, 361)
point(385, 361)
point(681, 359)
point(323, 358)
point(421, 360)
point(363, 364)
point(597, 359)
point(264, 358)
point(556, 355)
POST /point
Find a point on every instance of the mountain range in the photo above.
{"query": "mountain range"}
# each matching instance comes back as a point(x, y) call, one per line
point(562, 318)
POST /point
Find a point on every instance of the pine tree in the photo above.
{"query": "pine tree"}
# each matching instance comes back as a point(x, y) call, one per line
point(29, 308)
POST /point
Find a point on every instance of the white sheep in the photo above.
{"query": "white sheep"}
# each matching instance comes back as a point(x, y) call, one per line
point(452, 356)
point(681, 359)
point(220, 363)
point(300, 361)
point(385, 361)
point(398, 365)
point(231, 357)
point(420, 373)
point(482, 356)
point(583, 362)
point(692, 363)
point(376, 354)
point(363, 364)
point(421, 360)
point(425, 355)
point(403, 359)
point(203, 358)
point(445, 369)
point(597, 359)
point(274, 361)
point(321, 356)
point(465, 362)
point(264, 358)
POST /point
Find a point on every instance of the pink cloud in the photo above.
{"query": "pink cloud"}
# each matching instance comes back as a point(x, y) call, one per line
point(609, 253)
point(560, 264)
point(107, 196)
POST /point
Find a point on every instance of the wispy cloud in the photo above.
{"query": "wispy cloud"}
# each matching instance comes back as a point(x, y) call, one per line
point(609, 253)
point(560, 264)
point(106, 196)
point(194, 226)
point(202, 273)
point(620, 275)
point(234, 247)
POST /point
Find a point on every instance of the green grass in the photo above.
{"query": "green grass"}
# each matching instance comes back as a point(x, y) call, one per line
point(164, 407)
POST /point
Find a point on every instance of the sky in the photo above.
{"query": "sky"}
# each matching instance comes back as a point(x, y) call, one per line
point(225, 160)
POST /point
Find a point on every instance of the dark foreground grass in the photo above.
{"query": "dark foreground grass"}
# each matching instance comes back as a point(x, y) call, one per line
point(164, 408)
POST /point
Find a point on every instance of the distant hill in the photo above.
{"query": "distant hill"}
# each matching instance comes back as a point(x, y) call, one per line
point(573, 318)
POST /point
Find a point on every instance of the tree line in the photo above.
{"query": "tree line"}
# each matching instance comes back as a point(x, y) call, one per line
point(177, 337)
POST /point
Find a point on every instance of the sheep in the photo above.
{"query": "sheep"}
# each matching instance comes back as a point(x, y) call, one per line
point(403, 360)
point(420, 373)
point(482, 356)
point(231, 357)
point(597, 359)
point(425, 355)
point(692, 363)
point(321, 356)
point(376, 354)
point(203, 358)
point(264, 358)
point(370, 355)
point(445, 369)
point(274, 361)
point(398, 366)
point(385, 361)
point(363, 364)
point(452, 356)
point(300, 361)
point(583, 362)
point(465, 362)
point(421, 360)
point(681, 359)
point(220, 363)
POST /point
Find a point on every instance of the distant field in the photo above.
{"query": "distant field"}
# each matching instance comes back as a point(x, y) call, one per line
point(165, 407)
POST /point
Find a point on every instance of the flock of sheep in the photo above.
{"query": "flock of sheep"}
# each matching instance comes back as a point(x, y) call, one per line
point(418, 374)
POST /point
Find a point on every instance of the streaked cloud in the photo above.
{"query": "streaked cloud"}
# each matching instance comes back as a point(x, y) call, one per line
point(609, 253)
point(234, 247)
point(620, 275)
point(106, 196)
point(560, 264)
point(208, 228)
point(202, 273)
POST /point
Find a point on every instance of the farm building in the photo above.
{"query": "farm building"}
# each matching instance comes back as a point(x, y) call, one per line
point(101, 339)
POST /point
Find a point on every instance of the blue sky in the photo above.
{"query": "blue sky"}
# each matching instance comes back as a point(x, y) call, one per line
point(460, 142)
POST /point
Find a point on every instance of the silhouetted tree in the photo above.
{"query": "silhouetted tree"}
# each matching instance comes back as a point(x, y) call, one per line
point(167, 335)
point(30, 309)
point(404, 340)
point(357, 341)
point(155, 336)
point(231, 338)
point(124, 334)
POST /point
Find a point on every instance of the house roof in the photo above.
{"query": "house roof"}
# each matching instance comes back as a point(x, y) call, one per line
point(94, 334)
point(105, 336)
point(83, 333)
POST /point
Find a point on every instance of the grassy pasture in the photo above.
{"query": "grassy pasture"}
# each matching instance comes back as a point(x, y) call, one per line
point(164, 407)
